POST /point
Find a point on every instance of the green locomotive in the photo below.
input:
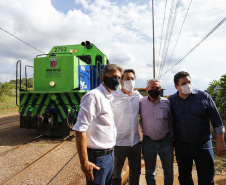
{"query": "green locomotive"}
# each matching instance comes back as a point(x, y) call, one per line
point(61, 78)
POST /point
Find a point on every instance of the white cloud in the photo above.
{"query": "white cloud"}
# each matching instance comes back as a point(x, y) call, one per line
point(122, 31)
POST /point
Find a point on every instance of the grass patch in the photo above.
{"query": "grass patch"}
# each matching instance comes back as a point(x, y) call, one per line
point(41, 145)
point(8, 104)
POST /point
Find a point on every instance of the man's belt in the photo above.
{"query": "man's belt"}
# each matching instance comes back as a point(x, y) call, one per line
point(99, 152)
point(159, 140)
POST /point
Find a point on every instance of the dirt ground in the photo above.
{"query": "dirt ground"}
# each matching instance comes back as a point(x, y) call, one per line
point(219, 179)
point(73, 174)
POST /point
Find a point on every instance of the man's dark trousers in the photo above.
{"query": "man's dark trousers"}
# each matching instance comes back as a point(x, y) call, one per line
point(134, 157)
point(202, 154)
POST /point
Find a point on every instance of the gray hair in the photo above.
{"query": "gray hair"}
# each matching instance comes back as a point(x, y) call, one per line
point(153, 80)
point(111, 67)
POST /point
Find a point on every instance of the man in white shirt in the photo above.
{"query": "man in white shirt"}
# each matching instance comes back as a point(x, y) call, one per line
point(95, 129)
point(126, 110)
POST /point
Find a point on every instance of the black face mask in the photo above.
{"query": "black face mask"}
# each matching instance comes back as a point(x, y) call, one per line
point(154, 93)
point(111, 83)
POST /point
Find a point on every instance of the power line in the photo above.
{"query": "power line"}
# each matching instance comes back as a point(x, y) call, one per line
point(178, 35)
point(212, 6)
point(217, 26)
point(166, 46)
point(166, 34)
point(21, 40)
point(162, 33)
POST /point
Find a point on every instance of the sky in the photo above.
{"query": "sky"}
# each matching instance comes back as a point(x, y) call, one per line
point(122, 30)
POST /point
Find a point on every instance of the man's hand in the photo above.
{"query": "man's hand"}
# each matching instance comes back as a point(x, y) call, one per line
point(220, 146)
point(220, 149)
point(86, 166)
point(87, 169)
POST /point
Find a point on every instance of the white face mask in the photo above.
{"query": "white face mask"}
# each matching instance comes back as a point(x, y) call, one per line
point(129, 85)
point(187, 89)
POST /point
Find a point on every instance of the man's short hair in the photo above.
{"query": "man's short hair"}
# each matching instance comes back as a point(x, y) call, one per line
point(179, 75)
point(153, 80)
point(128, 71)
point(111, 67)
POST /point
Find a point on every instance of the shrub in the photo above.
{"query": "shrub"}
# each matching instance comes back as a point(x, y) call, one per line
point(221, 97)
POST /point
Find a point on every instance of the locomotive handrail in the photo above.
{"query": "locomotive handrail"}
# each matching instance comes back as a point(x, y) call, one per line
point(53, 54)
point(40, 55)
point(98, 62)
point(91, 74)
point(79, 75)
point(16, 79)
point(26, 74)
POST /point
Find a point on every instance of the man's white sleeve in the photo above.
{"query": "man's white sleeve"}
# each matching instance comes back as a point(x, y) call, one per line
point(87, 113)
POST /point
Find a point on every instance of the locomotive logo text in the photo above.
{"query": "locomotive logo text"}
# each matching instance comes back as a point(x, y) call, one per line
point(83, 85)
point(83, 68)
point(53, 62)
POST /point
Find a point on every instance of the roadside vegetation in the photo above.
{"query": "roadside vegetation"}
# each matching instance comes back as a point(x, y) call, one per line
point(8, 94)
point(217, 89)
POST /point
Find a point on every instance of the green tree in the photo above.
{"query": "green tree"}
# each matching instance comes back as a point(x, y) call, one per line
point(6, 89)
point(221, 97)
point(30, 82)
point(12, 81)
point(23, 82)
point(212, 86)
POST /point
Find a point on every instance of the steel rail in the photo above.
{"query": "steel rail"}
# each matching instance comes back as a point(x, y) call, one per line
point(20, 145)
point(9, 121)
point(61, 170)
point(7, 181)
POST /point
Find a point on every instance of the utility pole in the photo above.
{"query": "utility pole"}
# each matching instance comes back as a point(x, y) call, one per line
point(153, 24)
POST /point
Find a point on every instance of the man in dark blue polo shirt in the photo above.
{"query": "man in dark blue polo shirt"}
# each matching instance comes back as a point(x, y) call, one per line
point(192, 109)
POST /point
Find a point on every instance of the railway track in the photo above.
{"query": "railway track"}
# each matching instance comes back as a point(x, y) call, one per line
point(61, 170)
point(20, 172)
point(9, 122)
point(29, 141)
point(10, 119)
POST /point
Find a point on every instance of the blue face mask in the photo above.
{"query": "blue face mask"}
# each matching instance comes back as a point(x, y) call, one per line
point(111, 83)
point(154, 93)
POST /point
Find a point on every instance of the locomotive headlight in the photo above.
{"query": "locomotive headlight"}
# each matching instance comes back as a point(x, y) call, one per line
point(52, 83)
point(71, 50)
